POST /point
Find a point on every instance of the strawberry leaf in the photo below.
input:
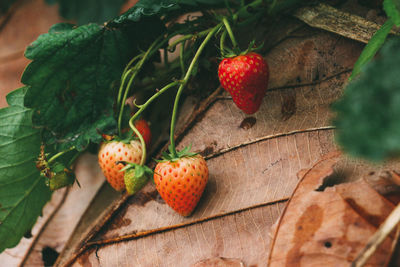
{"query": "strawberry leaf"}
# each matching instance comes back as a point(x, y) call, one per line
point(23, 192)
point(73, 75)
point(159, 8)
point(86, 11)
point(369, 111)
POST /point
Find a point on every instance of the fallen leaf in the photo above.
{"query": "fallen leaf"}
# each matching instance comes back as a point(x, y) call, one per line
point(219, 262)
point(329, 227)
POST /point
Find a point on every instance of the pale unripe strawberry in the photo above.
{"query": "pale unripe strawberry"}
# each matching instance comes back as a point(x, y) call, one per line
point(113, 151)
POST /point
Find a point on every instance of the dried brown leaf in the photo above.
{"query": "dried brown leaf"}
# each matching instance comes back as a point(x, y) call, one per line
point(330, 227)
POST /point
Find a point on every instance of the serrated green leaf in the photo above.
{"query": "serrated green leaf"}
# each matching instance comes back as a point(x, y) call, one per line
point(87, 11)
point(23, 192)
point(392, 9)
point(162, 7)
point(16, 97)
point(374, 44)
point(72, 75)
point(368, 113)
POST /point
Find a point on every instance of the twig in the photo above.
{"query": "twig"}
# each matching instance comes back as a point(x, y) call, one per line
point(328, 18)
point(384, 230)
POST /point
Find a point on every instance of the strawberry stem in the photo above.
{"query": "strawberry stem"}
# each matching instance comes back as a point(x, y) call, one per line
point(183, 83)
point(172, 46)
point(144, 106)
point(222, 44)
point(143, 159)
point(229, 30)
point(59, 154)
point(152, 49)
point(125, 74)
point(181, 54)
point(141, 109)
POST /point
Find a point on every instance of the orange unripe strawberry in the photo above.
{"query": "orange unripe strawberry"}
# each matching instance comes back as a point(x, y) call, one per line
point(181, 182)
point(245, 77)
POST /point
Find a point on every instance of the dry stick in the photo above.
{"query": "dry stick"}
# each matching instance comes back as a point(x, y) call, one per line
point(328, 18)
point(103, 242)
point(384, 230)
point(268, 137)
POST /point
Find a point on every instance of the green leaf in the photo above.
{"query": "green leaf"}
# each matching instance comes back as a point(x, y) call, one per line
point(73, 75)
point(23, 192)
point(392, 8)
point(162, 7)
point(86, 11)
point(16, 97)
point(374, 44)
point(369, 111)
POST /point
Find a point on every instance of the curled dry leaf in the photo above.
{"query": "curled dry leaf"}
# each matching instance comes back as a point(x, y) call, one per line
point(329, 227)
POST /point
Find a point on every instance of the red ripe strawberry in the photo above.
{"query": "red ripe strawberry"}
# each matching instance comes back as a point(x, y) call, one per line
point(246, 79)
point(181, 182)
point(112, 151)
point(144, 129)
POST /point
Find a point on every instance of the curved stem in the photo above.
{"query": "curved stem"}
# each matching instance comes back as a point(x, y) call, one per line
point(125, 74)
point(121, 87)
point(74, 158)
point(183, 83)
point(229, 29)
point(187, 37)
point(59, 154)
point(166, 63)
point(181, 59)
point(222, 43)
point(148, 102)
point(154, 47)
point(132, 61)
point(143, 159)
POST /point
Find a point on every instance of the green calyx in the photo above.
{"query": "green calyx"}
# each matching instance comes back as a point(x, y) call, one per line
point(126, 139)
point(185, 152)
point(136, 176)
point(228, 53)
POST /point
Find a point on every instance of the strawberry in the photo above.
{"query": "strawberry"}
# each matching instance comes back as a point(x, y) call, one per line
point(144, 130)
point(113, 151)
point(181, 182)
point(245, 77)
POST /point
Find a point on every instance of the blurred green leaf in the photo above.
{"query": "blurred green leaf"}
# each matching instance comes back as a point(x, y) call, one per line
point(392, 9)
point(367, 118)
point(374, 44)
point(23, 192)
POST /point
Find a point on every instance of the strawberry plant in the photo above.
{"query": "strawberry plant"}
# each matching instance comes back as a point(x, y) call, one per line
point(80, 78)
point(78, 83)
